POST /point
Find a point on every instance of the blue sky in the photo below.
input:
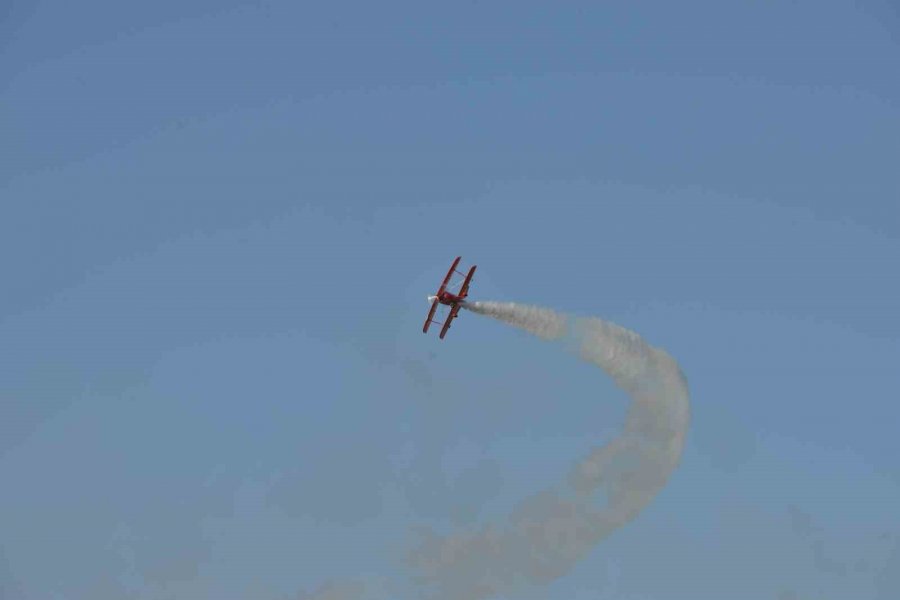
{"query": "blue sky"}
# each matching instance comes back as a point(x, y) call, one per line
point(219, 221)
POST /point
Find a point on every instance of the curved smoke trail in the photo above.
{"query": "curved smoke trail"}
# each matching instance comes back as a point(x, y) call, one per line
point(546, 535)
point(549, 533)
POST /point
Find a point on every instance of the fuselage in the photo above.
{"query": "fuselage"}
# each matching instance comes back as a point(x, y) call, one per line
point(446, 297)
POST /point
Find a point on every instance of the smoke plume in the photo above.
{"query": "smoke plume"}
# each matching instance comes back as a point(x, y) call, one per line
point(548, 533)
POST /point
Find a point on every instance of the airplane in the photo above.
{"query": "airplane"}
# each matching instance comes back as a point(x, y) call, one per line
point(454, 301)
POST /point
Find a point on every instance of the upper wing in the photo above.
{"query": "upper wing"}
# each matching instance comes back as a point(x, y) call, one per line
point(464, 290)
point(453, 311)
point(434, 306)
point(449, 275)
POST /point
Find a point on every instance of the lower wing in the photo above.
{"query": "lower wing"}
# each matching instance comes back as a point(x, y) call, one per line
point(450, 317)
point(428, 321)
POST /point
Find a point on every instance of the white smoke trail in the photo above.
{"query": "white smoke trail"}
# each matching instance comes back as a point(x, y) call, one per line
point(549, 533)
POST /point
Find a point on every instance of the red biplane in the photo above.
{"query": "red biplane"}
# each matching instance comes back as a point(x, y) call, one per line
point(443, 296)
